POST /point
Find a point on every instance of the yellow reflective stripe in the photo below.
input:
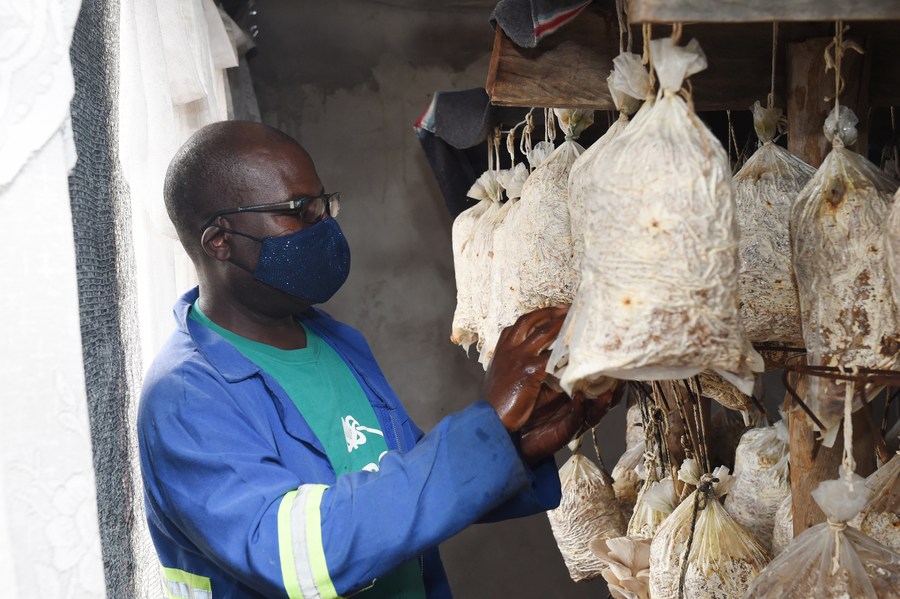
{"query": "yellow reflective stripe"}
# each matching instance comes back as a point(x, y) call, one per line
point(303, 566)
point(178, 584)
point(286, 547)
point(316, 550)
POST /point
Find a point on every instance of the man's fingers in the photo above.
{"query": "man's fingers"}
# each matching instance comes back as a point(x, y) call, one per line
point(527, 323)
point(544, 334)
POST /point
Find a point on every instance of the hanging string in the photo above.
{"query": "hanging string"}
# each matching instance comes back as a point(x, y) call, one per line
point(701, 500)
point(494, 150)
point(620, 15)
point(525, 142)
point(647, 31)
point(676, 32)
point(840, 47)
point(896, 144)
point(511, 146)
point(597, 449)
point(838, 55)
point(627, 25)
point(730, 134)
point(549, 125)
point(497, 138)
point(847, 460)
point(490, 152)
point(771, 99)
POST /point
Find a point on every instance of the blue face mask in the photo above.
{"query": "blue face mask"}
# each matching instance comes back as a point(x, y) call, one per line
point(310, 264)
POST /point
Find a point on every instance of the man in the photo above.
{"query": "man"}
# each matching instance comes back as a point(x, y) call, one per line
point(277, 461)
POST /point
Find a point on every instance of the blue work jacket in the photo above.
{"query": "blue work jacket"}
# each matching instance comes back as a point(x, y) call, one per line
point(242, 501)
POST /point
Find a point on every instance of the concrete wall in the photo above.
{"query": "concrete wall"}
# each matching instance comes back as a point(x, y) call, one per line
point(349, 79)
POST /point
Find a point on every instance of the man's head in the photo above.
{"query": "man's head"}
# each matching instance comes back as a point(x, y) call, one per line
point(230, 165)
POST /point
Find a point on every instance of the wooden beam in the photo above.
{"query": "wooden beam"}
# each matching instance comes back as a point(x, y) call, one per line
point(742, 11)
point(811, 463)
point(569, 70)
point(570, 67)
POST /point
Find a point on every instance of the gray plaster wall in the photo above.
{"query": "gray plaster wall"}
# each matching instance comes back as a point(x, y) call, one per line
point(349, 79)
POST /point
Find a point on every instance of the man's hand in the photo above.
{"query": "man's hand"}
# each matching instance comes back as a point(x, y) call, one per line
point(558, 421)
point(513, 382)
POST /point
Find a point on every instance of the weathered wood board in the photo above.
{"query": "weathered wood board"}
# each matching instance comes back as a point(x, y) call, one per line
point(570, 68)
point(742, 11)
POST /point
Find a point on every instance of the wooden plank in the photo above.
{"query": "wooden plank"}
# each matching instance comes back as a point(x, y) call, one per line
point(571, 66)
point(569, 70)
point(742, 11)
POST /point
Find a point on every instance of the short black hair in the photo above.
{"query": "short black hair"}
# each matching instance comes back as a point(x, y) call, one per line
point(207, 169)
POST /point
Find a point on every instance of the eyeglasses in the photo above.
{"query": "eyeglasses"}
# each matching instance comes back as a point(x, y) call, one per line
point(310, 209)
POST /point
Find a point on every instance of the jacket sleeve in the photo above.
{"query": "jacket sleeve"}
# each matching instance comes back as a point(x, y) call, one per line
point(217, 476)
point(542, 493)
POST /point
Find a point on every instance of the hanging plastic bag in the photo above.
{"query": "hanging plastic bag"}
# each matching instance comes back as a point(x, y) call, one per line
point(765, 189)
point(628, 76)
point(880, 519)
point(761, 480)
point(503, 257)
point(587, 511)
point(655, 501)
point(892, 249)
point(660, 269)
point(504, 252)
point(629, 85)
point(837, 228)
point(700, 551)
point(783, 530)
point(487, 190)
point(626, 481)
point(832, 560)
point(540, 237)
point(627, 561)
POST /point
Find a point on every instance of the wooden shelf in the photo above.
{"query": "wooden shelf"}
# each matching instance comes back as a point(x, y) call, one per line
point(570, 68)
point(742, 11)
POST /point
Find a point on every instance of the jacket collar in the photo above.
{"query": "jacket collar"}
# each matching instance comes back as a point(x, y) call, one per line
point(223, 356)
point(235, 367)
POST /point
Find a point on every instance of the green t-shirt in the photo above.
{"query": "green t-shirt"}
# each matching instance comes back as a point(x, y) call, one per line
point(326, 392)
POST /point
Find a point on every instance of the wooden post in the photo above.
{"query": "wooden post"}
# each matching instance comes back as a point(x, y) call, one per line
point(811, 463)
point(808, 85)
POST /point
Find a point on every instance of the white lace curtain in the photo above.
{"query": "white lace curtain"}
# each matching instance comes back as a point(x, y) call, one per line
point(169, 86)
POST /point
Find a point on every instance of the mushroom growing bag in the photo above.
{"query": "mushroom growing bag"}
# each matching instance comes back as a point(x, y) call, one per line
point(539, 271)
point(765, 190)
point(628, 77)
point(761, 480)
point(783, 531)
point(832, 560)
point(465, 322)
point(659, 286)
point(881, 516)
point(892, 249)
point(629, 85)
point(501, 263)
point(837, 228)
point(587, 511)
point(723, 557)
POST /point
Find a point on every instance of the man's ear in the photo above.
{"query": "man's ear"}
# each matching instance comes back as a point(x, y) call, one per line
point(216, 241)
